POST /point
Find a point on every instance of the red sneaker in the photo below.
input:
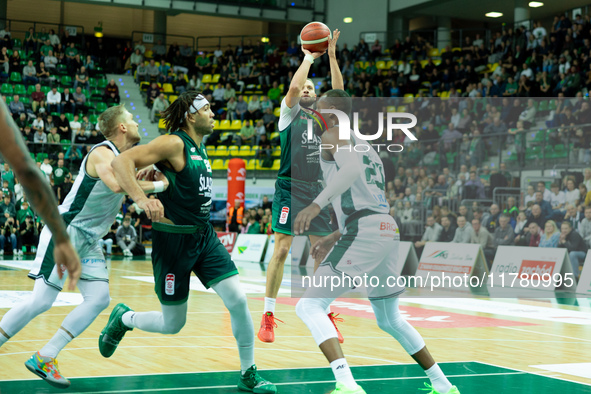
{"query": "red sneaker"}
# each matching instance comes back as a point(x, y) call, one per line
point(334, 319)
point(266, 333)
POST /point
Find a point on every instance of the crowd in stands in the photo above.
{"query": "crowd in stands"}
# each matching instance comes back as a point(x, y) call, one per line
point(257, 220)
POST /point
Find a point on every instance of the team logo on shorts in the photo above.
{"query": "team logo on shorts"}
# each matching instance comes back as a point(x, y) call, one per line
point(284, 215)
point(169, 284)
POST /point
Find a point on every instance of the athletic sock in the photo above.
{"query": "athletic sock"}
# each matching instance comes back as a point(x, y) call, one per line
point(127, 319)
point(342, 373)
point(270, 305)
point(56, 344)
point(246, 354)
point(3, 339)
point(438, 379)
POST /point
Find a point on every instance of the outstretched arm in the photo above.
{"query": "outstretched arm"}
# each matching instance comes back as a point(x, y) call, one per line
point(299, 78)
point(165, 148)
point(39, 193)
point(335, 71)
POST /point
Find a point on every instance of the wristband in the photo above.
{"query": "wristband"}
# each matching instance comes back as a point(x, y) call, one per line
point(309, 58)
point(158, 186)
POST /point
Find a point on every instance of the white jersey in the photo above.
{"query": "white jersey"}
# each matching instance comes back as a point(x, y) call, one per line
point(91, 206)
point(367, 192)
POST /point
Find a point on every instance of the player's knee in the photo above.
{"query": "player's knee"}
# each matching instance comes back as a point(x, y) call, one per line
point(40, 306)
point(174, 326)
point(101, 303)
point(281, 252)
point(306, 307)
point(236, 302)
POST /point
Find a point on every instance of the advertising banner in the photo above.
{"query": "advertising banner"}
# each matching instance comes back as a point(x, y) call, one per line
point(227, 239)
point(249, 247)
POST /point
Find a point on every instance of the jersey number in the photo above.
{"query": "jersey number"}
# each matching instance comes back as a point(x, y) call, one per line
point(374, 174)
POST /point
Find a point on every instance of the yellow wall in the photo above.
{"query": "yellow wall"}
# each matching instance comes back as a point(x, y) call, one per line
point(120, 21)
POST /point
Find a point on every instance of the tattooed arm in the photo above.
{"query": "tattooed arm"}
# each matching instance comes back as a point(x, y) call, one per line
point(39, 193)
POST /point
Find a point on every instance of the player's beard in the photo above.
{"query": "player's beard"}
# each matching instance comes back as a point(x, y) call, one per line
point(307, 102)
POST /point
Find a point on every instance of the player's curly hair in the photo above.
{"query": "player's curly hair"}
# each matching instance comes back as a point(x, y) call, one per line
point(174, 116)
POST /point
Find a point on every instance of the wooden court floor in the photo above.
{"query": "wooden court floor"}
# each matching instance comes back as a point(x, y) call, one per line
point(484, 346)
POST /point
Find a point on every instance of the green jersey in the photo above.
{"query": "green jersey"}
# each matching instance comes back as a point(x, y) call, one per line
point(59, 174)
point(300, 155)
point(187, 200)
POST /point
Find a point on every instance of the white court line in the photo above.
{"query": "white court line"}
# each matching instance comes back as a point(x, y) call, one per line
point(544, 333)
point(299, 383)
point(534, 373)
point(215, 347)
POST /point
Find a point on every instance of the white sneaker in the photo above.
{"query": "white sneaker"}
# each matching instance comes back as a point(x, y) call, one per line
point(14, 252)
point(1, 252)
point(127, 252)
point(20, 252)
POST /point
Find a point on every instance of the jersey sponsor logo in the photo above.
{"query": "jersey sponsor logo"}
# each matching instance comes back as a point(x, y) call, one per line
point(196, 157)
point(169, 284)
point(284, 215)
point(389, 227)
point(207, 165)
point(193, 149)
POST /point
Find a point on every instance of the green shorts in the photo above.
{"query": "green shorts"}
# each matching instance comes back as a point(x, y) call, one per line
point(179, 250)
point(286, 208)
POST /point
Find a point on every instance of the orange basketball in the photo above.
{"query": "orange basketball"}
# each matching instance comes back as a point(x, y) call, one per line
point(315, 36)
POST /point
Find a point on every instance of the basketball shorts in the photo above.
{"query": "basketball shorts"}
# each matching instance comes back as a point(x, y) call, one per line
point(368, 248)
point(94, 266)
point(289, 199)
point(179, 250)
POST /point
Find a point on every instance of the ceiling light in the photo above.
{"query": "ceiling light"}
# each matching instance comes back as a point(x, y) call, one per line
point(494, 14)
point(348, 19)
point(535, 4)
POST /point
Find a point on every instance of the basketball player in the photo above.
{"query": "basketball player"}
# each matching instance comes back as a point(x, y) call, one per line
point(40, 195)
point(299, 178)
point(88, 210)
point(184, 241)
point(366, 243)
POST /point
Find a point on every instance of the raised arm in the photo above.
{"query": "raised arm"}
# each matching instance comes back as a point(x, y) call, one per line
point(299, 78)
point(335, 71)
point(39, 193)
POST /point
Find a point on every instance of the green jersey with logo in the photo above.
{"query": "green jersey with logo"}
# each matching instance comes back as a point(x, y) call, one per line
point(59, 174)
point(187, 200)
point(300, 159)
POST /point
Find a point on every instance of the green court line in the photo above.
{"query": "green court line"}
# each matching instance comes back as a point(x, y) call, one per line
point(470, 377)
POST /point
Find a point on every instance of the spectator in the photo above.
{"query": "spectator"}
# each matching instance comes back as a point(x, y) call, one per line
point(38, 124)
point(241, 108)
point(8, 232)
point(136, 59)
point(80, 100)
point(50, 61)
point(448, 230)
point(231, 109)
point(28, 232)
point(234, 217)
point(54, 138)
point(38, 98)
point(531, 238)
point(112, 92)
point(159, 106)
point(573, 196)
point(126, 237)
point(68, 102)
point(63, 127)
point(551, 235)
point(520, 224)
point(574, 243)
point(81, 78)
point(557, 199)
point(159, 51)
point(573, 216)
point(16, 107)
point(503, 233)
point(180, 84)
point(246, 134)
point(464, 231)
point(141, 72)
point(30, 74)
point(153, 71)
point(54, 100)
point(585, 227)
point(480, 235)
point(75, 125)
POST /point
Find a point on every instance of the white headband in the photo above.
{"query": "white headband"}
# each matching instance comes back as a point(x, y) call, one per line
point(199, 102)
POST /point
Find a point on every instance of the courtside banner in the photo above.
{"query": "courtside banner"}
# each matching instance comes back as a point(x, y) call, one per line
point(227, 239)
point(531, 268)
point(584, 286)
point(249, 247)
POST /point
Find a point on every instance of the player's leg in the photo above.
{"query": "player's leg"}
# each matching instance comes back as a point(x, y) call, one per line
point(331, 315)
point(18, 317)
point(311, 308)
point(389, 320)
point(274, 278)
point(234, 299)
point(96, 299)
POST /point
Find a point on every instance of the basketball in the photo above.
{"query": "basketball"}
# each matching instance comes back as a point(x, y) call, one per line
point(315, 36)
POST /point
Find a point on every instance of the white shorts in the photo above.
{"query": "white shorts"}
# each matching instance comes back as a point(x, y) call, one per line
point(94, 266)
point(367, 252)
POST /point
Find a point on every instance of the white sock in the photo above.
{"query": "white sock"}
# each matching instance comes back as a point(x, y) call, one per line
point(438, 379)
point(3, 339)
point(246, 354)
point(342, 373)
point(127, 319)
point(270, 304)
point(56, 344)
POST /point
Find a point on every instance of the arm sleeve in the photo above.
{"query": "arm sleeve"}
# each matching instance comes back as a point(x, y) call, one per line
point(349, 170)
point(287, 114)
